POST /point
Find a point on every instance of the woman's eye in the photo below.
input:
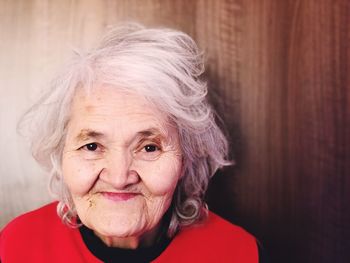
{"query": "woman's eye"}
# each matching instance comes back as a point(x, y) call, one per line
point(92, 151)
point(91, 147)
point(151, 148)
point(148, 152)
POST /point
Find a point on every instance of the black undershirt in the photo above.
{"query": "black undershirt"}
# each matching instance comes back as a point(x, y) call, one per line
point(139, 255)
point(113, 254)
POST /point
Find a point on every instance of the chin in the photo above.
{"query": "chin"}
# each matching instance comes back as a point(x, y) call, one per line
point(119, 226)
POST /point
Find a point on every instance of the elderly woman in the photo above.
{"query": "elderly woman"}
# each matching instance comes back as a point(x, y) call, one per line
point(130, 143)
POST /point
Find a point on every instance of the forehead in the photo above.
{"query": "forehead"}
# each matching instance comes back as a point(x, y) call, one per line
point(105, 106)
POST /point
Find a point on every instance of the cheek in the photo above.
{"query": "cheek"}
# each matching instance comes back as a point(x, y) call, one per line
point(79, 175)
point(161, 177)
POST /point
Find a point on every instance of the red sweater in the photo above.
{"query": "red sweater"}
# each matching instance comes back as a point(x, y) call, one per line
point(40, 236)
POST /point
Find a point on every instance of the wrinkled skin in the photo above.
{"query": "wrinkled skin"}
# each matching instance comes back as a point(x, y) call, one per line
point(121, 163)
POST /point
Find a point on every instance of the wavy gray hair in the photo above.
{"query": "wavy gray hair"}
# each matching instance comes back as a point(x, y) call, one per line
point(165, 66)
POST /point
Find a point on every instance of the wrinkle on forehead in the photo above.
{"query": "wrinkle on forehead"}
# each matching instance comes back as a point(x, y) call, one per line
point(91, 108)
point(132, 102)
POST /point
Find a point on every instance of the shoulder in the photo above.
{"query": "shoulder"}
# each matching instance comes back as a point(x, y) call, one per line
point(219, 232)
point(214, 224)
point(31, 221)
point(40, 236)
point(214, 240)
point(35, 229)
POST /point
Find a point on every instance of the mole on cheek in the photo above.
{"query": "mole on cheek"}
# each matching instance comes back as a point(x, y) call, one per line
point(91, 201)
point(89, 108)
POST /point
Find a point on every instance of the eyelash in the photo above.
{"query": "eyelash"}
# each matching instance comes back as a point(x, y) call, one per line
point(148, 148)
point(94, 145)
point(152, 147)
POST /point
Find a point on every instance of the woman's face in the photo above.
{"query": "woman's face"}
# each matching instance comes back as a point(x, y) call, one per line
point(121, 163)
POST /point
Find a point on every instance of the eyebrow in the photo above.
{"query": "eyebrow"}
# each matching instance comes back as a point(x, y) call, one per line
point(86, 134)
point(152, 132)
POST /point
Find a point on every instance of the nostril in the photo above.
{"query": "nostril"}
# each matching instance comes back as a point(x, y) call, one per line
point(119, 178)
point(133, 176)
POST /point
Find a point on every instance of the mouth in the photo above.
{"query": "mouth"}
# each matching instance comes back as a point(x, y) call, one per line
point(118, 197)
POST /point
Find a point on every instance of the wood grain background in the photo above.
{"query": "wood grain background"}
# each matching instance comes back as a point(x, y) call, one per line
point(279, 78)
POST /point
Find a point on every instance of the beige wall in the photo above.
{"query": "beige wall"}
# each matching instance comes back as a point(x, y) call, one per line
point(35, 38)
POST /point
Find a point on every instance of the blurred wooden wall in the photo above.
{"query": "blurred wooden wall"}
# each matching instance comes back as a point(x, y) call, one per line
point(279, 77)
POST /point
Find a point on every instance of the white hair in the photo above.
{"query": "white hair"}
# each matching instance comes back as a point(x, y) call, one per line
point(163, 65)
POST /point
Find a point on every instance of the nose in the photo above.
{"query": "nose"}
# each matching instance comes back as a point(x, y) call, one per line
point(118, 171)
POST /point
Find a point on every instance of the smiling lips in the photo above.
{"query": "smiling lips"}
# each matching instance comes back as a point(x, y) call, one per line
point(119, 196)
